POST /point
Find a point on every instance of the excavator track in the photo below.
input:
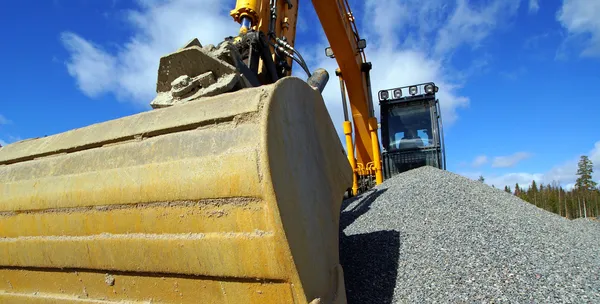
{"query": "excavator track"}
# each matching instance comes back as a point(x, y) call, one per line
point(233, 198)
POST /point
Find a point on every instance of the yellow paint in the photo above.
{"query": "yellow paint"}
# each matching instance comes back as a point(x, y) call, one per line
point(49, 299)
point(367, 170)
point(155, 182)
point(376, 153)
point(333, 16)
point(285, 25)
point(180, 217)
point(193, 254)
point(351, 159)
point(188, 116)
point(215, 198)
point(265, 16)
point(246, 8)
point(21, 285)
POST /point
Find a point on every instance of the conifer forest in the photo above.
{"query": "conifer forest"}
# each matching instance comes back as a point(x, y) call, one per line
point(582, 201)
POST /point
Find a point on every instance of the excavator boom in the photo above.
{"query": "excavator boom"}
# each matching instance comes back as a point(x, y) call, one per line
point(337, 25)
point(340, 28)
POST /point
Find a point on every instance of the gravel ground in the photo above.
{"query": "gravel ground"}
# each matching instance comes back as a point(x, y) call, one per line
point(433, 236)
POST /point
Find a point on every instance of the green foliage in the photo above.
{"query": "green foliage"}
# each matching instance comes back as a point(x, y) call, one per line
point(581, 201)
point(585, 170)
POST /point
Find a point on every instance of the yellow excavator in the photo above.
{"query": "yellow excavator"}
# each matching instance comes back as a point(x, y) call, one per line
point(227, 191)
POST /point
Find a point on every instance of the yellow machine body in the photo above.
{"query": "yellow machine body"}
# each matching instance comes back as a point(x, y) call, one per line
point(228, 191)
point(227, 199)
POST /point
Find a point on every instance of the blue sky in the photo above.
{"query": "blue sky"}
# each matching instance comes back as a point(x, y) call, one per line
point(516, 77)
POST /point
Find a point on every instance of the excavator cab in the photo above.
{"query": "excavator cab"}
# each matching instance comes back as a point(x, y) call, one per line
point(411, 129)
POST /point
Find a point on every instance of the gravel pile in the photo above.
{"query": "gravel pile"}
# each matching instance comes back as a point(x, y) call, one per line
point(429, 235)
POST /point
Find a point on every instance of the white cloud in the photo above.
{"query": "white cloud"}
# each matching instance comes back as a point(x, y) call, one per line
point(438, 26)
point(564, 173)
point(129, 71)
point(4, 120)
point(511, 179)
point(392, 10)
point(580, 18)
point(471, 25)
point(510, 160)
point(595, 153)
point(524, 179)
point(534, 6)
point(394, 68)
point(92, 67)
point(479, 161)
point(534, 42)
point(11, 139)
point(514, 74)
point(159, 28)
point(402, 54)
point(594, 156)
point(394, 65)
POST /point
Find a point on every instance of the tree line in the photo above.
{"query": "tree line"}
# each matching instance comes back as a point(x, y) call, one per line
point(583, 200)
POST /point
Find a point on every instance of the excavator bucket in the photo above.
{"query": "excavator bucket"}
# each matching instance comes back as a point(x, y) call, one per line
point(232, 198)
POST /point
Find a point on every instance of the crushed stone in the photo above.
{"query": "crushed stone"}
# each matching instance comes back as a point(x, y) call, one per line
point(429, 235)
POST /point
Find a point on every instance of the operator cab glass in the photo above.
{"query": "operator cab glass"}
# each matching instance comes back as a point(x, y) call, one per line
point(409, 127)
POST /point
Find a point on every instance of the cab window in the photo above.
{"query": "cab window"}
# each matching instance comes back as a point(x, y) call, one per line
point(409, 127)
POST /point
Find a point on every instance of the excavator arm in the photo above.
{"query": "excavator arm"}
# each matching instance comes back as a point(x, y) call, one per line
point(354, 72)
point(337, 22)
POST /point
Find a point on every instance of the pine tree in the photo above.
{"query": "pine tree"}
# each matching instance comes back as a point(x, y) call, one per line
point(574, 203)
point(533, 192)
point(481, 179)
point(541, 198)
point(585, 170)
point(584, 184)
point(559, 204)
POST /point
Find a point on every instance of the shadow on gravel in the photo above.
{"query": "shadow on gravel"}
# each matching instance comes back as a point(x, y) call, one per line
point(369, 260)
point(349, 216)
point(370, 263)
